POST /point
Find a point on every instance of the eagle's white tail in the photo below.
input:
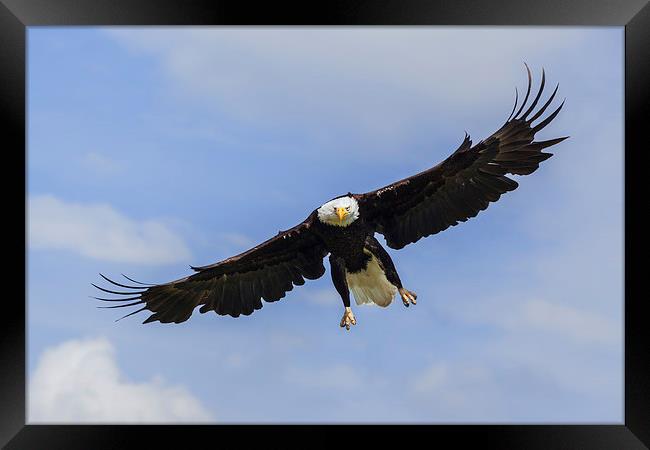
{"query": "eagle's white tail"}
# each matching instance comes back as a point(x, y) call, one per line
point(371, 285)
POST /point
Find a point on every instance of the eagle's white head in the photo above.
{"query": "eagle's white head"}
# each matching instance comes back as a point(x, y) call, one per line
point(339, 212)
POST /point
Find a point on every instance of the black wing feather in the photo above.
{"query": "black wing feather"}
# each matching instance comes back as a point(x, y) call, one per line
point(466, 182)
point(236, 285)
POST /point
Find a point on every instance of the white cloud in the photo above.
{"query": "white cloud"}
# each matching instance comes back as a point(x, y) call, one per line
point(98, 231)
point(380, 80)
point(576, 349)
point(79, 381)
point(401, 57)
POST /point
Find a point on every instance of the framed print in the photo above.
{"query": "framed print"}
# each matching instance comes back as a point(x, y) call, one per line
point(287, 219)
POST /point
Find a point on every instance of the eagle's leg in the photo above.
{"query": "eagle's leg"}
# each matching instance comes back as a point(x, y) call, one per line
point(380, 252)
point(337, 267)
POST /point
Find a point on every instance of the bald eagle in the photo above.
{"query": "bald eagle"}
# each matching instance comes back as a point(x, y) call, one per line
point(427, 203)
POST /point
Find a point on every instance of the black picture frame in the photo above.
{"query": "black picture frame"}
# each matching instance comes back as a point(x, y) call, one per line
point(16, 15)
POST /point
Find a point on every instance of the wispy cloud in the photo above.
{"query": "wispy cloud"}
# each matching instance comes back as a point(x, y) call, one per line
point(432, 378)
point(536, 315)
point(80, 381)
point(449, 388)
point(379, 82)
point(98, 231)
point(238, 241)
point(396, 57)
point(339, 376)
point(322, 297)
point(100, 163)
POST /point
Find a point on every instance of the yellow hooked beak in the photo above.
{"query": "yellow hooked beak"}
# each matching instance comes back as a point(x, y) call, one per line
point(342, 213)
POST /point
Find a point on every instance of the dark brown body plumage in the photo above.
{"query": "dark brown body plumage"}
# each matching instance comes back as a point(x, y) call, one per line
point(346, 243)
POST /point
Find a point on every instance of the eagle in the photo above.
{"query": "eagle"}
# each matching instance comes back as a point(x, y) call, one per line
point(344, 228)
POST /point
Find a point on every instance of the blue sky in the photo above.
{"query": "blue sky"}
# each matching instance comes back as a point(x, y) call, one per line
point(153, 148)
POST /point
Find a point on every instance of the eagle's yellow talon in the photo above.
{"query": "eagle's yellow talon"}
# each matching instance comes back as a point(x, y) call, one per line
point(407, 296)
point(348, 318)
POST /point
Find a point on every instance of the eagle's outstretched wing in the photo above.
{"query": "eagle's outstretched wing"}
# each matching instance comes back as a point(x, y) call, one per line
point(236, 285)
point(463, 184)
